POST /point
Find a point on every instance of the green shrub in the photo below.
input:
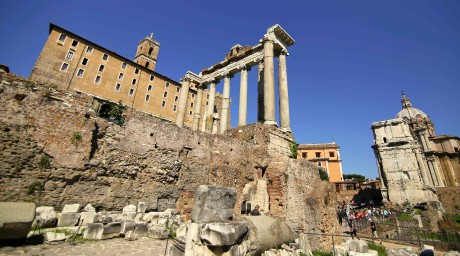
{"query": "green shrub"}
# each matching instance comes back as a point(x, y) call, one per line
point(320, 253)
point(293, 148)
point(36, 186)
point(323, 174)
point(44, 162)
point(76, 138)
point(380, 249)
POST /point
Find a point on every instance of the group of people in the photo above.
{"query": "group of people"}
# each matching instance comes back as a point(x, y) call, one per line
point(348, 215)
point(246, 209)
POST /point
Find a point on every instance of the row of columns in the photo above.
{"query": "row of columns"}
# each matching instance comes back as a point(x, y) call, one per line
point(266, 96)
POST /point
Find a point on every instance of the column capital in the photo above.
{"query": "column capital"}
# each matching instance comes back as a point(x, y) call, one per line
point(283, 52)
point(185, 79)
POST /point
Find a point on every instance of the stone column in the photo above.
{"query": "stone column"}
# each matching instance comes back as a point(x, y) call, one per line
point(225, 105)
point(260, 92)
point(285, 123)
point(183, 97)
point(199, 99)
point(210, 109)
point(243, 108)
point(269, 83)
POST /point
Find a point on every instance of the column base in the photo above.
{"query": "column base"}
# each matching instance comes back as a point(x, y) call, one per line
point(286, 129)
point(268, 122)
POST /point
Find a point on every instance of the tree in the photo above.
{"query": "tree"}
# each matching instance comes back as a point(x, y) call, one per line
point(354, 177)
point(323, 174)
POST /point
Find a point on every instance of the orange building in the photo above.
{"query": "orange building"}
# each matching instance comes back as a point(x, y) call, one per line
point(326, 156)
point(74, 63)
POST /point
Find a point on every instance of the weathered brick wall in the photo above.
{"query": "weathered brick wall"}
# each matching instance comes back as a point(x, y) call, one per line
point(143, 160)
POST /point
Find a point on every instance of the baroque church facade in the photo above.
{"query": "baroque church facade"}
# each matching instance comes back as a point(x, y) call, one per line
point(411, 159)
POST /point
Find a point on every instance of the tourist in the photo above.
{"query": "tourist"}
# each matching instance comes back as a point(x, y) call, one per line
point(374, 231)
point(353, 230)
point(255, 212)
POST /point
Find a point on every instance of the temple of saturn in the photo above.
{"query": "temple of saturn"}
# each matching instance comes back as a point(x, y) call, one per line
point(241, 59)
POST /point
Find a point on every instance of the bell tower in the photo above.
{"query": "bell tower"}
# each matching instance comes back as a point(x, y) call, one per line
point(147, 52)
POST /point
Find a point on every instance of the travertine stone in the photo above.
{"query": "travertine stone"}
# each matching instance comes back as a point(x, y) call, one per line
point(45, 217)
point(141, 207)
point(182, 102)
point(269, 83)
point(285, 124)
point(129, 208)
point(88, 217)
point(243, 108)
point(223, 234)
point(68, 219)
point(16, 219)
point(53, 237)
point(197, 114)
point(225, 105)
point(213, 204)
point(94, 231)
point(71, 208)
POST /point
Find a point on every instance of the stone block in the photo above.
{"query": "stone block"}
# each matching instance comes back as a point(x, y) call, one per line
point(141, 229)
point(223, 234)
point(89, 208)
point(88, 217)
point(68, 219)
point(352, 253)
point(53, 237)
point(427, 247)
point(358, 246)
point(304, 244)
point(340, 250)
point(128, 216)
point(213, 204)
point(141, 207)
point(45, 217)
point(127, 225)
point(129, 208)
point(16, 219)
point(181, 233)
point(452, 253)
point(111, 230)
point(71, 208)
point(158, 231)
point(130, 236)
point(139, 217)
point(155, 217)
point(94, 231)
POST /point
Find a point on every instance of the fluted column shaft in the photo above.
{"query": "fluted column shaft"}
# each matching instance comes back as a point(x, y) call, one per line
point(183, 97)
point(269, 84)
point(225, 105)
point(199, 99)
point(260, 92)
point(285, 123)
point(210, 109)
point(243, 108)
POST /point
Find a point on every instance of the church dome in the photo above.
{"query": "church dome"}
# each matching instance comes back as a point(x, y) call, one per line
point(410, 112)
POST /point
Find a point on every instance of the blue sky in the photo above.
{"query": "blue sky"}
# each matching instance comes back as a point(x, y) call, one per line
point(346, 70)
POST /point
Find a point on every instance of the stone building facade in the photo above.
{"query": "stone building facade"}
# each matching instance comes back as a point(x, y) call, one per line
point(76, 64)
point(325, 155)
point(413, 161)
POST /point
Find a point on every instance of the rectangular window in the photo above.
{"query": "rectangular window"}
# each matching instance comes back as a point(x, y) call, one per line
point(190, 113)
point(74, 43)
point(105, 56)
point(97, 80)
point(193, 96)
point(176, 99)
point(167, 84)
point(304, 155)
point(147, 97)
point(152, 77)
point(131, 92)
point(136, 71)
point(318, 154)
point(64, 67)
point(120, 76)
point(62, 38)
point(149, 88)
point(177, 89)
point(191, 105)
point(69, 55)
point(117, 87)
point(101, 68)
point(319, 164)
point(123, 65)
point(89, 49)
point(331, 154)
point(134, 81)
point(174, 108)
point(80, 72)
point(163, 104)
point(165, 94)
point(84, 61)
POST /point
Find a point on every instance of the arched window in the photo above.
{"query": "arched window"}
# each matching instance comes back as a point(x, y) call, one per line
point(384, 139)
point(147, 64)
point(150, 50)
